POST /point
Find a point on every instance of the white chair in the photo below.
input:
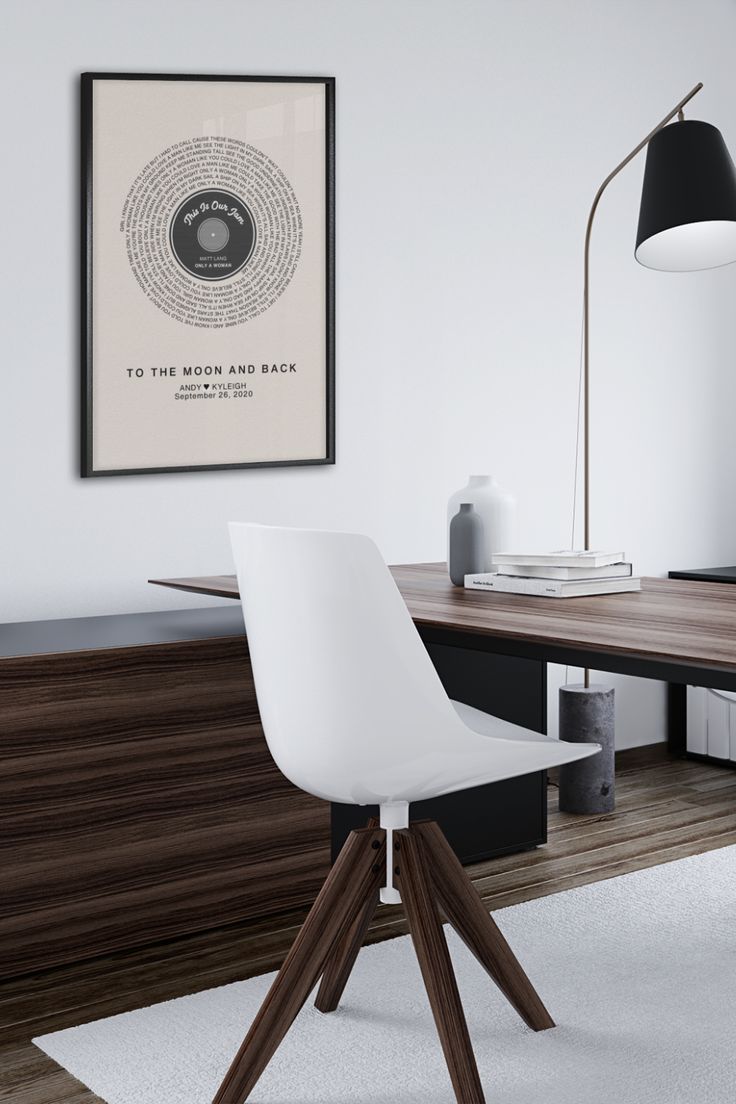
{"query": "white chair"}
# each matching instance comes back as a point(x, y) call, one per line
point(353, 711)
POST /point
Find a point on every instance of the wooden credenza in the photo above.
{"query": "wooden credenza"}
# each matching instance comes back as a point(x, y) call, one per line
point(138, 798)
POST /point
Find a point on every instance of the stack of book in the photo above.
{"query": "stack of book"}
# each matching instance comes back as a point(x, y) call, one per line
point(566, 574)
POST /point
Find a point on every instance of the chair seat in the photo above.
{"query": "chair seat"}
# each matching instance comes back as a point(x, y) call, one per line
point(488, 725)
point(478, 749)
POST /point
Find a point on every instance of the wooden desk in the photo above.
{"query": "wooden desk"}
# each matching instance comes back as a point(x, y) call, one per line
point(138, 799)
point(679, 631)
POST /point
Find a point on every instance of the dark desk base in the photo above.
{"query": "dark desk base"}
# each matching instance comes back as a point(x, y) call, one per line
point(677, 692)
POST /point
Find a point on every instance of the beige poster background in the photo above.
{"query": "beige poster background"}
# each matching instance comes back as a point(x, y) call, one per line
point(138, 421)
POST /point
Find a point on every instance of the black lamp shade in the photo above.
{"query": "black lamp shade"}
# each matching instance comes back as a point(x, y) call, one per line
point(687, 218)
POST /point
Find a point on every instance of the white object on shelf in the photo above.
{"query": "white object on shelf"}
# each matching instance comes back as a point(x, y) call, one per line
point(711, 722)
point(719, 735)
point(697, 719)
point(496, 508)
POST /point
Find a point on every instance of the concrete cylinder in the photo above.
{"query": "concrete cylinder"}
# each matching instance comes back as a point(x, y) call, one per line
point(587, 716)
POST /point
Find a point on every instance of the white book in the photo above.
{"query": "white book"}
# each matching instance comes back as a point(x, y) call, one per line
point(568, 557)
point(549, 588)
point(529, 571)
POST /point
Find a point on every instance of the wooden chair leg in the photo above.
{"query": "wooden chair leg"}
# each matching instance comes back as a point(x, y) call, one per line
point(415, 885)
point(340, 964)
point(471, 920)
point(354, 879)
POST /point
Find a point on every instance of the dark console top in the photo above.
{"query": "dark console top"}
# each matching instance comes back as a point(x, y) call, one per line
point(123, 630)
point(707, 574)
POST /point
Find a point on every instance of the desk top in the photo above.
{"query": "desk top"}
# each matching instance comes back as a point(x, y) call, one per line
point(676, 630)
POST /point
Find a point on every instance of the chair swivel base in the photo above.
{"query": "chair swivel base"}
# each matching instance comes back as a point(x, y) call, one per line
point(429, 877)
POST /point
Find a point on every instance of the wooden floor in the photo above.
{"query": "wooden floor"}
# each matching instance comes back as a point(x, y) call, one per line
point(666, 809)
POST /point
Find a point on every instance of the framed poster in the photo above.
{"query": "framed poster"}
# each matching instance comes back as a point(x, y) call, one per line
point(208, 272)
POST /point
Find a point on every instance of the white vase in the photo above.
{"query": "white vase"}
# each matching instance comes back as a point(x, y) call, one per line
point(496, 509)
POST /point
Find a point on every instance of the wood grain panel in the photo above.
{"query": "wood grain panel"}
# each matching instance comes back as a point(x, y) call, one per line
point(139, 801)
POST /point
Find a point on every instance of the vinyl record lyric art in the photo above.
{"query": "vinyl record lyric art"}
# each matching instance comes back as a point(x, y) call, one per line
point(208, 272)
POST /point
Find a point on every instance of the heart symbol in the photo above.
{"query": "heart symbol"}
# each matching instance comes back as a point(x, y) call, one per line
point(206, 387)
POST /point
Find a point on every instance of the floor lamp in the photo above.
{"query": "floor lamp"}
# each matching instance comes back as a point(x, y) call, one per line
point(687, 222)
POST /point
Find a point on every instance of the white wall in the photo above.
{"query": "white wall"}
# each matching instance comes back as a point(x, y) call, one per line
point(471, 138)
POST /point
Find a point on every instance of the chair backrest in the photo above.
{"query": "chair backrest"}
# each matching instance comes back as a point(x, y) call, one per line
point(345, 687)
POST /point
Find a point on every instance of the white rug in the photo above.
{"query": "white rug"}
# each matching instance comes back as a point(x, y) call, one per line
point(639, 972)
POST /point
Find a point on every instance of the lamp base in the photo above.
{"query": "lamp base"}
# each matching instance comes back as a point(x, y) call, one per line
point(587, 716)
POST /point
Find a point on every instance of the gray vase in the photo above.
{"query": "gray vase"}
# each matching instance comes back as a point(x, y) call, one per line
point(467, 549)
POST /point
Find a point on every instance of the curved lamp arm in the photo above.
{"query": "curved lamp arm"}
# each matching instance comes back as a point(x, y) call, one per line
point(586, 297)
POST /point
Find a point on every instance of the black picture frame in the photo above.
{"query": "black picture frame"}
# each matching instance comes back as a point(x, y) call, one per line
point(88, 80)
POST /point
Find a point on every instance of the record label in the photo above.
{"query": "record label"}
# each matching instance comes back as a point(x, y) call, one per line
point(212, 234)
